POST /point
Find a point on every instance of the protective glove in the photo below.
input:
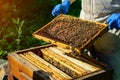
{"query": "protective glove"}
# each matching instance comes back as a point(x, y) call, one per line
point(114, 21)
point(61, 8)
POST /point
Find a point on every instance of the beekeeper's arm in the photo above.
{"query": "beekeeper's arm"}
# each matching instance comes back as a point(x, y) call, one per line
point(62, 8)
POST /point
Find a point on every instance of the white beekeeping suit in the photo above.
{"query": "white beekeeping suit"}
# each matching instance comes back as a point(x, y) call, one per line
point(99, 10)
point(108, 46)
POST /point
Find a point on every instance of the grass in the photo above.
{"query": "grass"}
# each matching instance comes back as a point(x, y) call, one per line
point(20, 18)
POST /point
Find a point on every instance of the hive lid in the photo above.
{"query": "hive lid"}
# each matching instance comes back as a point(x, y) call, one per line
point(71, 32)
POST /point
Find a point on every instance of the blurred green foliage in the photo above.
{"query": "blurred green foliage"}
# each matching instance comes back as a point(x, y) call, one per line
point(20, 18)
point(75, 8)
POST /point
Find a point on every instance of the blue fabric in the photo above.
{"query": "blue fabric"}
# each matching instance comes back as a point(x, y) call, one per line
point(61, 8)
point(114, 21)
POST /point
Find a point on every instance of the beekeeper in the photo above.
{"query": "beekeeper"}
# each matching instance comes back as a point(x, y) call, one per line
point(106, 11)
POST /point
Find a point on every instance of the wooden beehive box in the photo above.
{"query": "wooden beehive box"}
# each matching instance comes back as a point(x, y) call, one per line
point(71, 32)
point(38, 64)
point(46, 63)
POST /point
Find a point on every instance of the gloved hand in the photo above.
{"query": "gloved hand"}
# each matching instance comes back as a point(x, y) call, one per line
point(114, 21)
point(61, 8)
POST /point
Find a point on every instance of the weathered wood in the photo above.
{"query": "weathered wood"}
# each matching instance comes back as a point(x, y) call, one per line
point(14, 66)
point(79, 63)
point(34, 68)
point(24, 67)
point(42, 64)
point(23, 76)
point(70, 68)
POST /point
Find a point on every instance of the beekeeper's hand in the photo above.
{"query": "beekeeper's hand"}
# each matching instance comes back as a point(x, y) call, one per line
point(114, 21)
point(62, 8)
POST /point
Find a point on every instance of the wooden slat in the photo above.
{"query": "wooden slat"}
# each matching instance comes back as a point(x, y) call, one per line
point(32, 71)
point(13, 65)
point(23, 76)
point(72, 69)
point(86, 66)
point(42, 64)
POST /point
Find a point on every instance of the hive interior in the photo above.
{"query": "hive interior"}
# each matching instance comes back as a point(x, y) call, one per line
point(59, 65)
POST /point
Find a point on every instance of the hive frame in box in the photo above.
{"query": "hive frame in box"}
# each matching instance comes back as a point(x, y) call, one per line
point(20, 68)
point(39, 34)
point(24, 70)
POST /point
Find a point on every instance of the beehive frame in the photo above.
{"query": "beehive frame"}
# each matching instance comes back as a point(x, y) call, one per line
point(41, 34)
